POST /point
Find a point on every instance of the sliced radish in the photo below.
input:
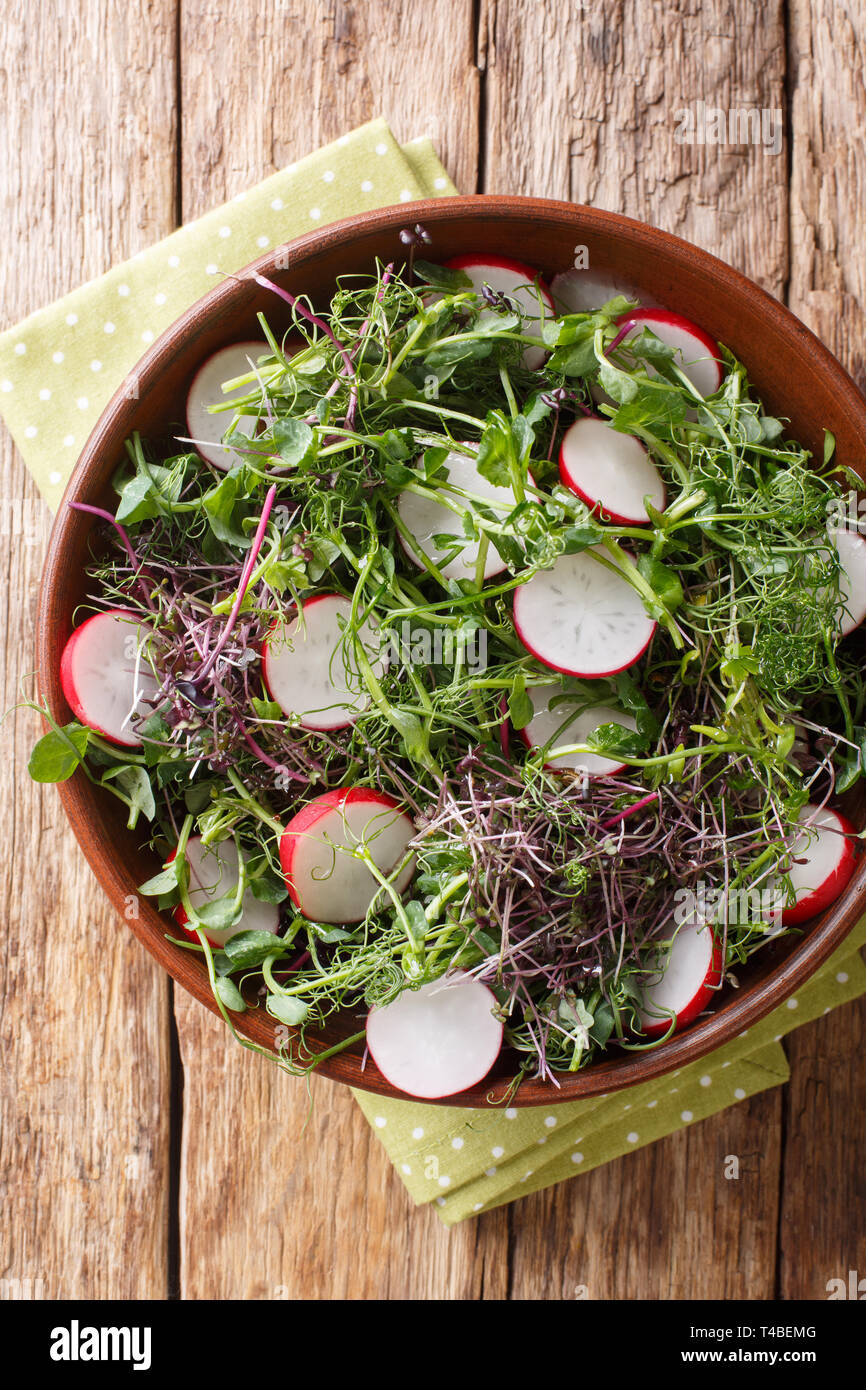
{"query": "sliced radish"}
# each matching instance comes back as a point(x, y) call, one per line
point(436, 1040)
point(851, 547)
point(106, 676)
point(325, 879)
point(826, 856)
point(581, 618)
point(557, 727)
point(312, 671)
point(610, 471)
point(518, 281)
point(583, 291)
point(695, 352)
point(690, 974)
point(426, 518)
point(205, 429)
point(214, 872)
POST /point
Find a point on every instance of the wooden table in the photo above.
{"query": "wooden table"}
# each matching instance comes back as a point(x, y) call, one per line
point(143, 1153)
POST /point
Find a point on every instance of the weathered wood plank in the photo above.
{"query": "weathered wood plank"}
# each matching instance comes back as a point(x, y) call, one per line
point(287, 1194)
point(583, 102)
point(641, 1227)
point(264, 84)
point(87, 178)
point(824, 1193)
point(270, 1208)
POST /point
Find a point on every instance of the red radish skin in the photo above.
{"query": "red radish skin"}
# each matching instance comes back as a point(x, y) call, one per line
point(311, 673)
point(425, 519)
point(206, 429)
point(437, 1040)
point(546, 722)
point(827, 850)
point(697, 354)
point(327, 885)
point(212, 874)
point(582, 619)
point(851, 547)
point(610, 471)
point(512, 278)
point(691, 977)
point(98, 675)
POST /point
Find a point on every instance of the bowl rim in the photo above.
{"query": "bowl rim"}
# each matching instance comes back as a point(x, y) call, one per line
point(719, 1027)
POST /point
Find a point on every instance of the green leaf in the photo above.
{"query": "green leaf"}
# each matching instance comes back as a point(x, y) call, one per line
point(293, 441)
point(330, 935)
point(219, 913)
point(163, 882)
point(520, 709)
point(417, 920)
point(266, 709)
point(132, 784)
point(220, 507)
point(58, 753)
point(578, 359)
point(230, 995)
point(442, 277)
point(646, 344)
point(829, 445)
point(496, 452)
point(287, 1008)
point(616, 739)
point(663, 580)
point(250, 948)
point(267, 889)
point(137, 501)
point(619, 385)
point(578, 538)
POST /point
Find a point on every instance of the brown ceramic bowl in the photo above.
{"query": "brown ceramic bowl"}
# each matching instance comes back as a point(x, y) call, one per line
point(795, 375)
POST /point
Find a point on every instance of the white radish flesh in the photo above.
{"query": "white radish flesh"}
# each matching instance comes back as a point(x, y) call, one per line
point(555, 724)
point(326, 879)
point(827, 858)
point(851, 547)
point(207, 429)
point(688, 977)
point(582, 618)
point(425, 517)
point(610, 471)
point(583, 291)
point(214, 873)
point(522, 284)
point(695, 352)
point(106, 675)
point(436, 1040)
point(311, 669)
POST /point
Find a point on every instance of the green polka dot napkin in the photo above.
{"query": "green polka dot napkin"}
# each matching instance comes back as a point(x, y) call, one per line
point(59, 368)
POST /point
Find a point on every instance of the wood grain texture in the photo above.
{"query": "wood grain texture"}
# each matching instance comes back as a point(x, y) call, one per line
point(265, 83)
point(824, 1190)
point(284, 1195)
point(312, 1212)
point(827, 53)
point(602, 132)
point(87, 176)
point(583, 103)
point(663, 1223)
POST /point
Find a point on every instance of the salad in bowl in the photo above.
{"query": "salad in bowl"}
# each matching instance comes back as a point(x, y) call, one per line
point(479, 657)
